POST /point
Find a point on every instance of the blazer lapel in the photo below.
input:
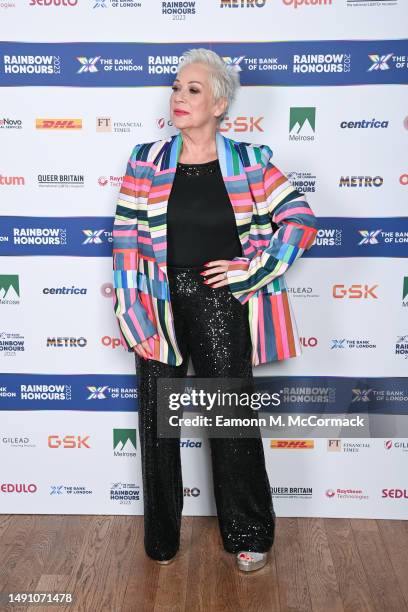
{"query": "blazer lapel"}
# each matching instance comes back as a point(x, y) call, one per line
point(235, 180)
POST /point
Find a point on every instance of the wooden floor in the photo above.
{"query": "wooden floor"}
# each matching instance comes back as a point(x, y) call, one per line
point(323, 565)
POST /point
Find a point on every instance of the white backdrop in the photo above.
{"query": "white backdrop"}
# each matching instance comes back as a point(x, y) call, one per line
point(57, 444)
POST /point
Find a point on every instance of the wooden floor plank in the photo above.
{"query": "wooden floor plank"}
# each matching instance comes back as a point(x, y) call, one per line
point(291, 572)
point(352, 580)
point(320, 572)
point(315, 565)
point(377, 565)
point(394, 535)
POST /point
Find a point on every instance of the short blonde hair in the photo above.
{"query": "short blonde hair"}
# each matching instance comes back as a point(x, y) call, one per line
point(223, 77)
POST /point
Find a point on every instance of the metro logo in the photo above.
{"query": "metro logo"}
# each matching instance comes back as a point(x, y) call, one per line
point(354, 291)
point(70, 441)
point(58, 124)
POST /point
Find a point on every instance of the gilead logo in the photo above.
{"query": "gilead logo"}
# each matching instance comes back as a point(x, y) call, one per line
point(395, 493)
point(355, 291)
point(56, 441)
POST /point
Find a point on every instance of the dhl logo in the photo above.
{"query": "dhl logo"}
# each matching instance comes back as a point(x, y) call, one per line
point(58, 124)
point(292, 444)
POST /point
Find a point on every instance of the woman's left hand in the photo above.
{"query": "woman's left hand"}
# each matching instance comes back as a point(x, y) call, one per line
point(215, 273)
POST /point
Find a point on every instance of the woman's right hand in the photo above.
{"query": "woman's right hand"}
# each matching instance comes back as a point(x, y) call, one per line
point(143, 348)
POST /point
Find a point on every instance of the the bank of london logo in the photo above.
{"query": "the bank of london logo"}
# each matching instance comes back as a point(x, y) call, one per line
point(88, 64)
point(361, 395)
point(9, 287)
point(98, 392)
point(369, 236)
point(302, 120)
point(124, 440)
point(234, 62)
point(379, 62)
point(92, 236)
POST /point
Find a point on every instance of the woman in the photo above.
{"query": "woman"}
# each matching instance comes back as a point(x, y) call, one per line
point(205, 227)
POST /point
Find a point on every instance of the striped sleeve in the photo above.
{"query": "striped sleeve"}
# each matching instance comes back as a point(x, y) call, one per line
point(134, 323)
point(295, 233)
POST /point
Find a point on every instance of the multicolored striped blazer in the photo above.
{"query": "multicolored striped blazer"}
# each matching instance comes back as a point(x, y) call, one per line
point(275, 226)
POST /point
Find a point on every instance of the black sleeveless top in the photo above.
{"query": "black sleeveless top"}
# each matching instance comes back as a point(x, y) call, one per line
point(200, 219)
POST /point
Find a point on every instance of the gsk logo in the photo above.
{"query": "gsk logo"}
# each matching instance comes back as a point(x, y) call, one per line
point(70, 441)
point(355, 291)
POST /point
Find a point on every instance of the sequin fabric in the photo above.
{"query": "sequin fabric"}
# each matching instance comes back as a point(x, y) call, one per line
point(197, 169)
point(212, 327)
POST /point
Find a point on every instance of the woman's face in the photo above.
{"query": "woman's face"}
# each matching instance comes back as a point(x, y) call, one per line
point(191, 103)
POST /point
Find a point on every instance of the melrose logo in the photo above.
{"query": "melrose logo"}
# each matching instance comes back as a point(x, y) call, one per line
point(9, 289)
point(302, 123)
point(11, 487)
point(124, 442)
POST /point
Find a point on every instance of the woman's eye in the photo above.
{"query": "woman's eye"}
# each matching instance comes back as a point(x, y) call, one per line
point(173, 87)
point(194, 90)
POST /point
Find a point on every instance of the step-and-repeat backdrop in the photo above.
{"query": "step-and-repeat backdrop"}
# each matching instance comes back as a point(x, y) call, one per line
point(324, 85)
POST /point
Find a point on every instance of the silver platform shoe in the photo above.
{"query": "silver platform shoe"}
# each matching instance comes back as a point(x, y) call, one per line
point(248, 561)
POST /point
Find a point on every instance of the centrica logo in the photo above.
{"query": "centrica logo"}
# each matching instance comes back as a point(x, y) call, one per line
point(64, 342)
point(69, 441)
point(111, 342)
point(395, 493)
point(292, 444)
point(242, 124)
point(355, 291)
point(190, 443)
point(65, 290)
point(12, 180)
point(12, 487)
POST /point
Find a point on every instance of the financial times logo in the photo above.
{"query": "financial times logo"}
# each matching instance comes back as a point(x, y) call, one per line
point(369, 236)
point(88, 64)
point(97, 392)
point(380, 62)
point(93, 236)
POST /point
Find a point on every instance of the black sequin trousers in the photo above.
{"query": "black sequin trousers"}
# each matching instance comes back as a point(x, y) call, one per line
point(212, 326)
